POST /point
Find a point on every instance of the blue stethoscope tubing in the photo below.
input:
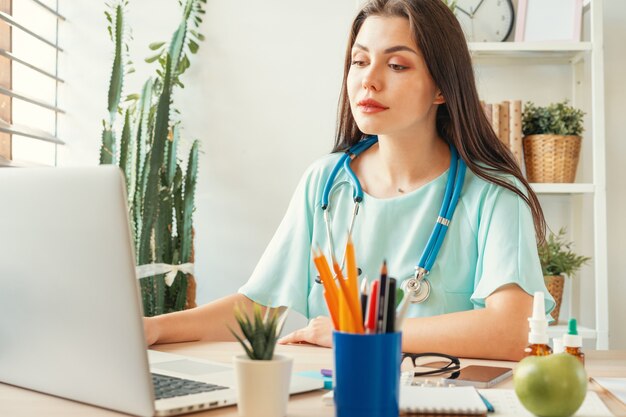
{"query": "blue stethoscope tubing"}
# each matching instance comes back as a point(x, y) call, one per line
point(417, 286)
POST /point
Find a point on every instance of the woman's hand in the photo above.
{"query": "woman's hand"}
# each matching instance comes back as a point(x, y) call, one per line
point(318, 332)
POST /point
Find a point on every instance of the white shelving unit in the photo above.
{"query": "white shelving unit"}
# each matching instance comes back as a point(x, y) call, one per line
point(585, 198)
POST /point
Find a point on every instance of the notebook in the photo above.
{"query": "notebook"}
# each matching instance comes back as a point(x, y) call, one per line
point(438, 400)
point(435, 400)
point(506, 404)
point(70, 313)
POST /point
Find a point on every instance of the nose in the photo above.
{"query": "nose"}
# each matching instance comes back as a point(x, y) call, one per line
point(371, 79)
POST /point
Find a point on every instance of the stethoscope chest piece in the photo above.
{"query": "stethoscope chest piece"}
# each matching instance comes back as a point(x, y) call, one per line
point(418, 290)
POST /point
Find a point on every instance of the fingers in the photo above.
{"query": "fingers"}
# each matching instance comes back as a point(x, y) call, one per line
point(293, 337)
point(318, 332)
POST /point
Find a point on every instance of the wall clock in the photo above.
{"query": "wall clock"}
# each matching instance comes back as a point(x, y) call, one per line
point(485, 20)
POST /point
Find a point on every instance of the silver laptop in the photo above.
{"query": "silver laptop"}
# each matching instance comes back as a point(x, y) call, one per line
point(70, 311)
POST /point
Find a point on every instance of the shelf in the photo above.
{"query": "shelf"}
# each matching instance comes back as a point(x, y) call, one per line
point(562, 188)
point(560, 329)
point(563, 51)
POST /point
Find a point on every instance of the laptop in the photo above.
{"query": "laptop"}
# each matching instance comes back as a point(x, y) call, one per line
point(70, 310)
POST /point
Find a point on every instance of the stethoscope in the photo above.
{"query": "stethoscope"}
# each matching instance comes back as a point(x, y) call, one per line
point(416, 286)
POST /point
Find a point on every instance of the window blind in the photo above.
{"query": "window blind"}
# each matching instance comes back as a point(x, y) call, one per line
point(29, 82)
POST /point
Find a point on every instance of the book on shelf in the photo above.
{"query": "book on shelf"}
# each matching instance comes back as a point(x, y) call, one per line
point(506, 121)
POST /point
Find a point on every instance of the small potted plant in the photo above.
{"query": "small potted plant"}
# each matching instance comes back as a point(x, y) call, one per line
point(551, 141)
point(262, 377)
point(557, 260)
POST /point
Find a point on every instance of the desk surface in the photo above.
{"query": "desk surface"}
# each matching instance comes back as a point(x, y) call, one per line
point(21, 402)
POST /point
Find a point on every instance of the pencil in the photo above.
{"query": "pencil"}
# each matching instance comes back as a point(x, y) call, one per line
point(330, 290)
point(357, 326)
point(353, 280)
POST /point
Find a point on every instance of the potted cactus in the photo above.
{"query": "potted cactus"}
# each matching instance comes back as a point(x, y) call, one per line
point(551, 142)
point(160, 189)
point(262, 377)
point(557, 260)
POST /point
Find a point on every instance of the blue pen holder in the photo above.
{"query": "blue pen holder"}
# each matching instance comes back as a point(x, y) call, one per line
point(367, 374)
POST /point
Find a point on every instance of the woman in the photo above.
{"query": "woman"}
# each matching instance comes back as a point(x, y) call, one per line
point(408, 79)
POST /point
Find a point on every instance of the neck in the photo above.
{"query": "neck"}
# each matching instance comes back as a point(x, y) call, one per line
point(408, 162)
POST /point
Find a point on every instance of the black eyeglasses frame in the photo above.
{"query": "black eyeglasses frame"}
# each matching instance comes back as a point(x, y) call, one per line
point(453, 366)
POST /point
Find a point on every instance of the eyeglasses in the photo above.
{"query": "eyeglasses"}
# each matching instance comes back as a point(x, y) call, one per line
point(430, 363)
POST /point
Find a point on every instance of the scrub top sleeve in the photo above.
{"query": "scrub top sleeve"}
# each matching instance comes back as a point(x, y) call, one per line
point(281, 277)
point(507, 248)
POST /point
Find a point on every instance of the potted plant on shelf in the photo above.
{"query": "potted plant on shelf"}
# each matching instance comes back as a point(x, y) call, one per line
point(557, 260)
point(262, 377)
point(551, 141)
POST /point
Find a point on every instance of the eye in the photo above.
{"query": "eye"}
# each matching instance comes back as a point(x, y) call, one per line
point(397, 67)
point(358, 63)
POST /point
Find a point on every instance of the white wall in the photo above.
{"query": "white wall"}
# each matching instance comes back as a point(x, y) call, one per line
point(261, 96)
point(614, 63)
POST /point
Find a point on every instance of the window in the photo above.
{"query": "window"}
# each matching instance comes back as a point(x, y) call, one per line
point(29, 81)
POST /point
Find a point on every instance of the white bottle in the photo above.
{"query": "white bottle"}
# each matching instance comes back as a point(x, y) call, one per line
point(538, 335)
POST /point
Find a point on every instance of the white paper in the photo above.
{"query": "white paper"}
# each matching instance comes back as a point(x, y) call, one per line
point(506, 404)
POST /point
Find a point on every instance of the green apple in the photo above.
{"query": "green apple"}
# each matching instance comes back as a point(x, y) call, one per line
point(551, 386)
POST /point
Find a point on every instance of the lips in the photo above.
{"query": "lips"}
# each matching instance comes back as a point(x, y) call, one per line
point(371, 106)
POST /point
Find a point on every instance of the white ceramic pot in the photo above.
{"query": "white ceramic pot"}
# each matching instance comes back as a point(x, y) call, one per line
point(263, 386)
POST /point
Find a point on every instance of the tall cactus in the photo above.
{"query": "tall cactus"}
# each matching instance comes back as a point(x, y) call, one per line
point(116, 32)
point(160, 192)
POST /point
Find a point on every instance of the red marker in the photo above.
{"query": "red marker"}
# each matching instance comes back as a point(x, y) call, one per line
point(372, 309)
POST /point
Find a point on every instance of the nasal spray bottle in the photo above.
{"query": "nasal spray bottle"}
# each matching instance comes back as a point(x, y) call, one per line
point(538, 335)
point(573, 341)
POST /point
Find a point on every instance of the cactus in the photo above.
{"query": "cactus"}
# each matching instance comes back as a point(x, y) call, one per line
point(160, 192)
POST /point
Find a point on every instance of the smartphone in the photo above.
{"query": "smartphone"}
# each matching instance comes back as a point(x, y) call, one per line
point(480, 376)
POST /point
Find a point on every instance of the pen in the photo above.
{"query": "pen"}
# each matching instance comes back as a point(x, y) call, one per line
point(364, 299)
point(390, 320)
point(489, 406)
point(382, 299)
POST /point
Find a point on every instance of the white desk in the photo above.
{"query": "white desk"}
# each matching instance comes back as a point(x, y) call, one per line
point(18, 402)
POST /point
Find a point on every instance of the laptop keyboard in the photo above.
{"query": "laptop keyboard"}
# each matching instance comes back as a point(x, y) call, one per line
point(169, 386)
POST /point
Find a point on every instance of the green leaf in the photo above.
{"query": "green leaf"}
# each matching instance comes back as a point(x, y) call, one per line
point(156, 45)
point(153, 58)
point(193, 46)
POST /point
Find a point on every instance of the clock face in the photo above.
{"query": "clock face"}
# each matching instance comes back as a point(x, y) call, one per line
point(485, 20)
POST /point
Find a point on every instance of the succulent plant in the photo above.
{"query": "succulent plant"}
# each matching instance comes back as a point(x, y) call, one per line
point(260, 332)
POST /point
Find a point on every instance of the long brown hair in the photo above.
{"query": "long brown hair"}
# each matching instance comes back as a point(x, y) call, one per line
point(461, 120)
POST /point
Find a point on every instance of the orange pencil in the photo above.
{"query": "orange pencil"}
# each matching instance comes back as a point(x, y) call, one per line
point(330, 290)
point(353, 275)
point(352, 302)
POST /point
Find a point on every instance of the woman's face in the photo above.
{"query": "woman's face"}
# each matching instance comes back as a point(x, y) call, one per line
point(389, 86)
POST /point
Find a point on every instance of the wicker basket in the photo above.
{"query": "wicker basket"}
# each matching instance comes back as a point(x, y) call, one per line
point(551, 158)
point(555, 288)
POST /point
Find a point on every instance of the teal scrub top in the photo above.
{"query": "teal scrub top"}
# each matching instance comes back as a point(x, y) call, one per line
point(490, 243)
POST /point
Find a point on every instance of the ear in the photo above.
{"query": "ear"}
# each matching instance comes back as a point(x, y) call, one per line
point(439, 99)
